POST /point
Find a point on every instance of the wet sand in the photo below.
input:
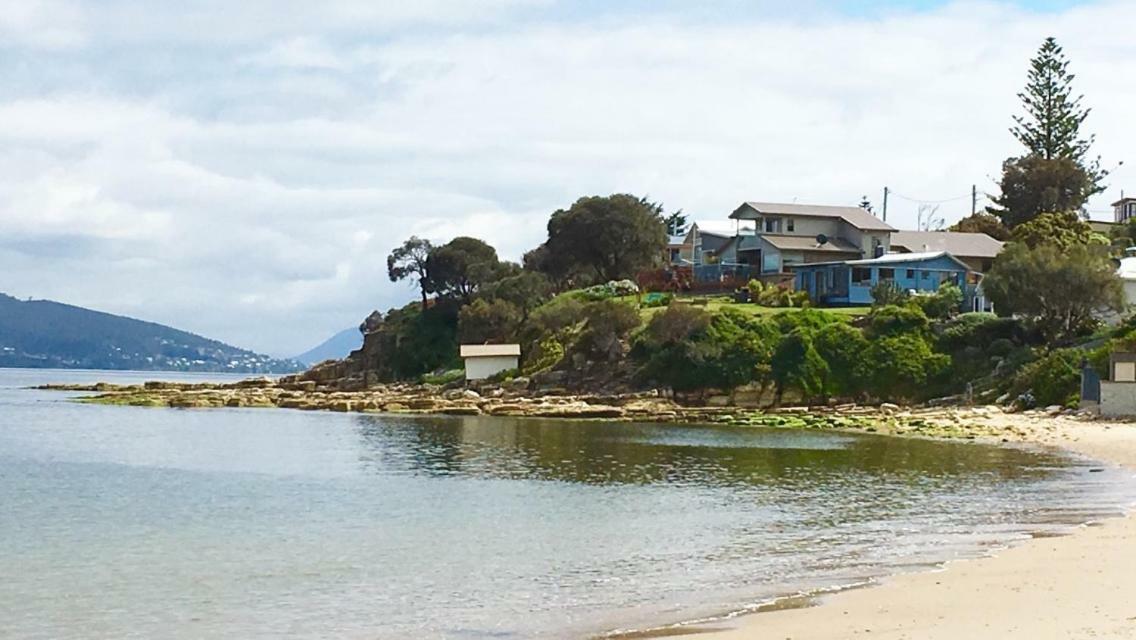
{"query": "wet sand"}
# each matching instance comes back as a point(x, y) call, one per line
point(1077, 586)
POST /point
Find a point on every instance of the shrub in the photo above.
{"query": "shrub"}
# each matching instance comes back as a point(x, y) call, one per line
point(981, 330)
point(797, 365)
point(652, 300)
point(607, 323)
point(943, 303)
point(887, 293)
point(548, 353)
point(445, 377)
point(756, 288)
point(558, 315)
point(787, 321)
point(843, 347)
point(608, 290)
point(482, 321)
point(676, 323)
point(893, 320)
point(1054, 378)
point(900, 366)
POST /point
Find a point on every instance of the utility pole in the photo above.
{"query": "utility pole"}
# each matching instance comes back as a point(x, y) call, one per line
point(973, 199)
point(885, 204)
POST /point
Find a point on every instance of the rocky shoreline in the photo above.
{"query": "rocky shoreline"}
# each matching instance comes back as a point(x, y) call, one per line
point(973, 423)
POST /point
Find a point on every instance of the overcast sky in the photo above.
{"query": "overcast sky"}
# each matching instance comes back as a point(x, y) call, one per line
point(242, 169)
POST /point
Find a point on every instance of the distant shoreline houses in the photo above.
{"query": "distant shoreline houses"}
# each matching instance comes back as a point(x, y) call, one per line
point(835, 253)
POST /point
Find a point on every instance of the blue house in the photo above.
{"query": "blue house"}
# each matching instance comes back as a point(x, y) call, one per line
point(850, 282)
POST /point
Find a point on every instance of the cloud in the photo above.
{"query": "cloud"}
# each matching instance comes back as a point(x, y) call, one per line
point(243, 174)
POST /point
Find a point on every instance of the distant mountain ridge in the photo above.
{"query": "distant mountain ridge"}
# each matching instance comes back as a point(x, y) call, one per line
point(46, 334)
point(334, 348)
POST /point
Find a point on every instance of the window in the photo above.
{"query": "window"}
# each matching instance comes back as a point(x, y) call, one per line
point(772, 225)
point(860, 275)
point(789, 224)
point(887, 274)
point(911, 274)
point(926, 275)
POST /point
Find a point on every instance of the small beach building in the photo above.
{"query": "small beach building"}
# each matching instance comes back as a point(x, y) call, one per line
point(485, 360)
point(850, 282)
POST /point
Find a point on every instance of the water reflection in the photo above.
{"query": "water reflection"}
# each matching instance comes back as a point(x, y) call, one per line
point(604, 453)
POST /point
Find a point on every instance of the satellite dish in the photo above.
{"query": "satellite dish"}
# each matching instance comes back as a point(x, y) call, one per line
point(822, 239)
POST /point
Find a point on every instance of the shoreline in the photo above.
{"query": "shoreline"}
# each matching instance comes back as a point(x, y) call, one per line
point(1070, 586)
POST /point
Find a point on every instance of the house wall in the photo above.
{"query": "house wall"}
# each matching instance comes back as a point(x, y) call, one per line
point(924, 275)
point(482, 367)
point(1118, 398)
point(866, 240)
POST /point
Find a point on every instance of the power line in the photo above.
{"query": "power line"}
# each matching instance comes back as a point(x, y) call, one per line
point(926, 201)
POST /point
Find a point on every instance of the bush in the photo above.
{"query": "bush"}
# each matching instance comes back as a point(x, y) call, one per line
point(481, 321)
point(787, 321)
point(548, 353)
point(756, 288)
point(886, 293)
point(1055, 378)
point(676, 323)
point(900, 366)
point(797, 365)
point(944, 303)
point(843, 347)
point(558, 315)
point(893, 320)
point(445, 377)
point(653, 300)
point(608, 290)
point(607, 323)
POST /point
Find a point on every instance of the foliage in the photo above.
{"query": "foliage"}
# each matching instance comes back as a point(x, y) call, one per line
point(887, 293)
point(655, 299)
point(943, 303)
point(408, 260)
point(756, 288)
point(417, 342)
point(787, 321)
point(444, 378)
point(1061, 229)
point(676, 223)
point(548, 353)
point(1053, 379)
point(1032, 185)
point(901, 365)
point(797, 365)
point(485, 321)
point(895, 320)
point(981, 331)
point(982, 222)
point(604, 238)
point(526, 290)
point(843, 348)
point(1051, 126)
point(1059, 290)
point(606, 324)
point(558, 315)
point(461, 267)
point(686, 348)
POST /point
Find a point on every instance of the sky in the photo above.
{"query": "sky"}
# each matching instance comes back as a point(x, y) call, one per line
point(242, 169)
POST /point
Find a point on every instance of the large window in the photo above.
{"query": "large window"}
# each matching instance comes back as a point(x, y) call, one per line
point(861, 275)
point(773, 225)
point(887, 274)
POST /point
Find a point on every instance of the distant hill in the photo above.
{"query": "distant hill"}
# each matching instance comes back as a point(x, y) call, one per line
point(336, 347)
point(45, 334)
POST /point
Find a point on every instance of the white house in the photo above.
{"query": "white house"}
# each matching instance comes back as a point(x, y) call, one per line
point(485, 360)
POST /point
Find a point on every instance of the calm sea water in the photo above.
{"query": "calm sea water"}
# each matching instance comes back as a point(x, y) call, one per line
point(120, 522)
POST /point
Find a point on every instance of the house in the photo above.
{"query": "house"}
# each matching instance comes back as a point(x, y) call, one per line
point(1123, 209)
point(977, 250)
point(792, 234)
point(850, 282)
point(485, 360)
point(680, 250)
point(707, 237)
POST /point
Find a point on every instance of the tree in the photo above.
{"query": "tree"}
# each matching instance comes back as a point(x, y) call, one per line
point(866, 204)
point(607, 323)
point(982, 222)
point(604, 238)
point(1032, 185)
point(676, 223)
point(460, 267)
point(945, 302)
point(797, 365)
point(408, 260)
point(1061, 229)
point(842, 347)
point(1060, 290)
point(900, 366)
point(526, 290)
point(1051, 126)
point(887, 293)
point(929, 219)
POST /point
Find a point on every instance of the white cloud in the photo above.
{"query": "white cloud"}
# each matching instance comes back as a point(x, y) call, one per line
point(251, 191)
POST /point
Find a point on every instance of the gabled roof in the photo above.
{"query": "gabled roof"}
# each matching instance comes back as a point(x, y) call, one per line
point(966, 245)
point(489, 350)
point(855, 216)
point(1122, 201)
point(809, 243)
point(676, 241)
point(722, 228)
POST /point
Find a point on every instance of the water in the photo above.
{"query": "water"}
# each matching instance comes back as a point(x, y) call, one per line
point(122, 522)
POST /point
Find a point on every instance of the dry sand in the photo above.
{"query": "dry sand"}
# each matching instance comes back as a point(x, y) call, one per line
point(1077, 586)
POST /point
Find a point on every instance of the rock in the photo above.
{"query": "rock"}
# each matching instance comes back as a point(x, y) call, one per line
point(889, 408)
point(459, 410)
point(395, 407)
point(371, 323)
point(520, 383)
point(262, 382)
point(506, 410)
point(340, 405)
point(422, 404)
point(1054, 409)
point(718, 401)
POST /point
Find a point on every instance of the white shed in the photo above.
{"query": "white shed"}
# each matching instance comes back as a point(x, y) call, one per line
point(485, 360)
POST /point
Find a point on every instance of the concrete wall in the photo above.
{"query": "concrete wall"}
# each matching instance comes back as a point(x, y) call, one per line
point(480, 368)
point(1118, 398)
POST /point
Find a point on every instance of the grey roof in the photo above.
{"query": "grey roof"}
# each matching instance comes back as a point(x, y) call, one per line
point(676, 241)
point(888, 258)
point(722, 228)
point(963, 245)
point(809, 243)
point(855, 216)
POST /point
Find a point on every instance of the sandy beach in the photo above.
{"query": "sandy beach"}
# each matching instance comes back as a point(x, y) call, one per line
point(1077, 586)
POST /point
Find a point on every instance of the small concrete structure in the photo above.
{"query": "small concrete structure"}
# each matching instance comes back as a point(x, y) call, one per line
point(485, 360)
point(1118, 393)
